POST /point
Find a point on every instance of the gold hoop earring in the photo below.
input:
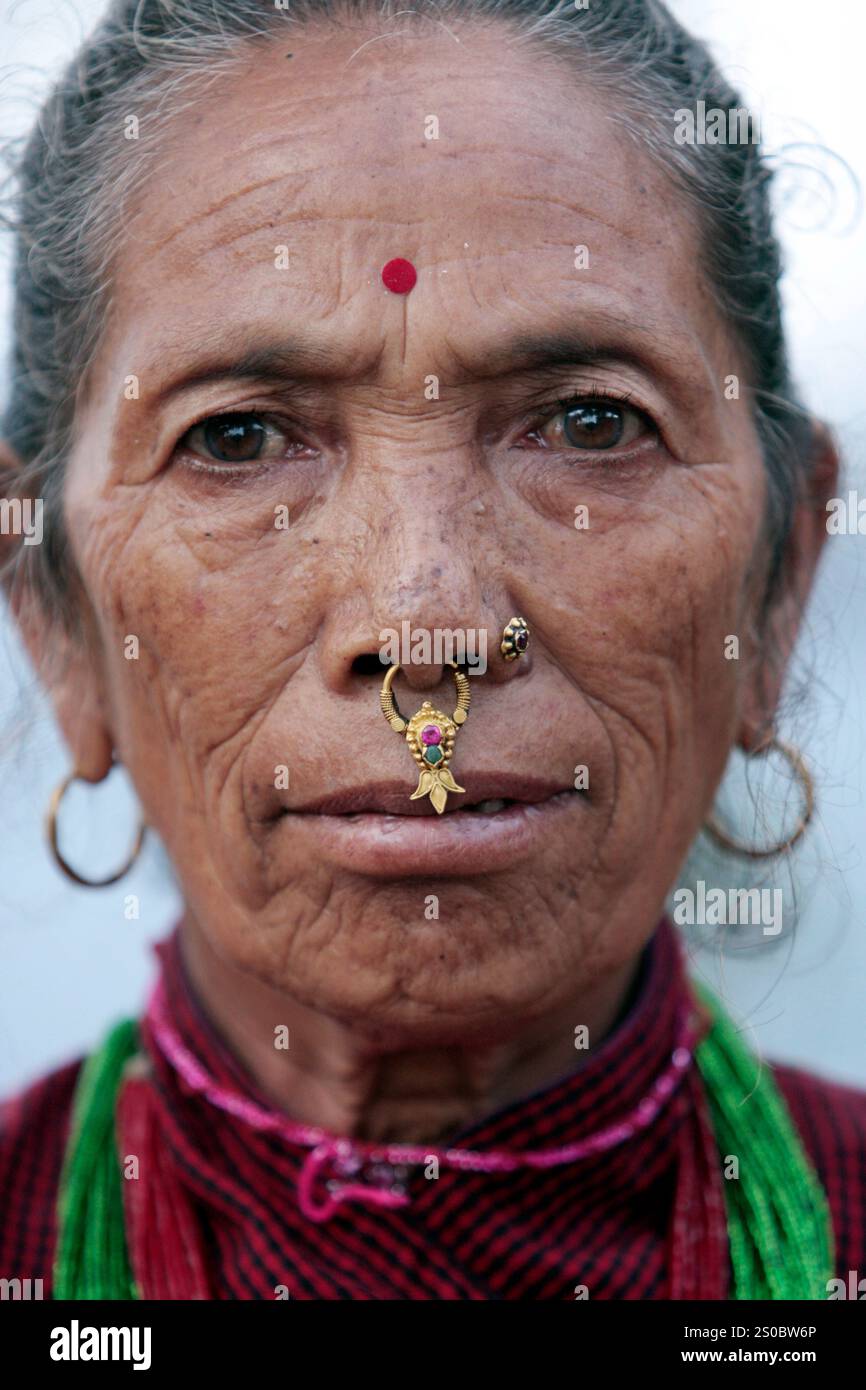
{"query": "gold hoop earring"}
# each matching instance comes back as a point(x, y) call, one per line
point(795, 761)
point(51, 831)
point(430, 735)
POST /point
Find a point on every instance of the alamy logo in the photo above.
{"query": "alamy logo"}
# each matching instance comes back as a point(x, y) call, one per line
point(437, 646)
point(715, 126)
point(76, 1343)
point(716, 907)
point(854, 1288)
point(22, 518)
point(846, 516)
point(24, 1289)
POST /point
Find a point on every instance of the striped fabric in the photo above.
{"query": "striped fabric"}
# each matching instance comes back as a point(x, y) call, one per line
point(599, 1228)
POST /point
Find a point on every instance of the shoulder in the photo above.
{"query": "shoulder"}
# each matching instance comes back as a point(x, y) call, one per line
point(831, 1121)
point(34, 1124)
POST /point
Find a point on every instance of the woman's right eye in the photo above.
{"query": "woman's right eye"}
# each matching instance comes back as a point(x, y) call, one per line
point(238, 437)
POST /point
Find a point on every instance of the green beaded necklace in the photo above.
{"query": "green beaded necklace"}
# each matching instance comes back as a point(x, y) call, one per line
point(91, 1259)
point(779, 1230)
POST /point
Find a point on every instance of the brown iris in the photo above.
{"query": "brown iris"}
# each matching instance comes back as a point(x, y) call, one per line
point(234, 438)
point(593, 425)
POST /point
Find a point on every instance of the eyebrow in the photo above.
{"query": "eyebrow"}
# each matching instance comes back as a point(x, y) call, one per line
point(302, 357)
point(291, 359)
point(528, 352)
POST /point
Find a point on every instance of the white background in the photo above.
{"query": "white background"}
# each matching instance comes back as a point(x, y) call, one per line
point(70, 961)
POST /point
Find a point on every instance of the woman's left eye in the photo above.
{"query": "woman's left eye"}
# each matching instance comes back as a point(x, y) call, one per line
point(593, 425)
point(238, 437)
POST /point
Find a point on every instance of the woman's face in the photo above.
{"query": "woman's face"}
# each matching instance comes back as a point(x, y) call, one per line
point(448, 509)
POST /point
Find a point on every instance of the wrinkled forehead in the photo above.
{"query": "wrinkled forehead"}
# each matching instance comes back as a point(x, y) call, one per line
point(282, 190)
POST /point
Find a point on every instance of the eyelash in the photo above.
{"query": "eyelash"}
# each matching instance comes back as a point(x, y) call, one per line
point(541, 417)
point(228, 472)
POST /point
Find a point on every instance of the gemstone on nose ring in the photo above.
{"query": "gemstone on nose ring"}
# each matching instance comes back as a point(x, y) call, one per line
point(430, 735)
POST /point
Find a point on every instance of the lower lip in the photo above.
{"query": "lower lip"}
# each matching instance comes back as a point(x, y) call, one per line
point(451, 845)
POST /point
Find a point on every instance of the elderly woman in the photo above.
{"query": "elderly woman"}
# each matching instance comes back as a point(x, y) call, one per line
point(339, 335)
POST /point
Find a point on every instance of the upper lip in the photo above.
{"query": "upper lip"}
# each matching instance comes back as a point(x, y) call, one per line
point(393, 798)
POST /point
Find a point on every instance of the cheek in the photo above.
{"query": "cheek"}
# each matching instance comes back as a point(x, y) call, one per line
point(653, 558)
point(638, 606)
point(203, 617)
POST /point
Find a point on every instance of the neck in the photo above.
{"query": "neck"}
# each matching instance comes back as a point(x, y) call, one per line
point(334, 1076)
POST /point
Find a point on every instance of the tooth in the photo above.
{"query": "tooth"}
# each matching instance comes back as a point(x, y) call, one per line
point(489, 807)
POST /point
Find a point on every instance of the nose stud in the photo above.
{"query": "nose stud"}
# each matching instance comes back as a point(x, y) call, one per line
point(515, 639)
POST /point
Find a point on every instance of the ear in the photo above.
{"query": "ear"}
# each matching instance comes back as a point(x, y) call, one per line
point(782, 625)
point(66, 663)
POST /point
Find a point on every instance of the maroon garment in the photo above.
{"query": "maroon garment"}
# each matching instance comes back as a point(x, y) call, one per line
point(602, 1223)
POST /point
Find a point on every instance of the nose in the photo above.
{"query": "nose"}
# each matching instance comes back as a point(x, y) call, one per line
point(428, 616)
point(429, 586)
point(425, 622)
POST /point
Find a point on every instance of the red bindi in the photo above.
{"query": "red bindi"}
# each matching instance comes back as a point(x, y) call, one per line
point(399, 276)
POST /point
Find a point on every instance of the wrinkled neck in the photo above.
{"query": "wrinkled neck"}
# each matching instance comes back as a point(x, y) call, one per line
point(367, 1082)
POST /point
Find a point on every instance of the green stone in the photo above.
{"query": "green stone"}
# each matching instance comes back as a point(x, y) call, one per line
point(433, 753)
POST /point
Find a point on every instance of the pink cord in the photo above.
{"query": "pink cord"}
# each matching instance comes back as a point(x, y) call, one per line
point(325, 1146)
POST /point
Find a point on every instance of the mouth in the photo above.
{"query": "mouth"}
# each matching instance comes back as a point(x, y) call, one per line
point(377, 831)
point(492, 806)
point(491, 795)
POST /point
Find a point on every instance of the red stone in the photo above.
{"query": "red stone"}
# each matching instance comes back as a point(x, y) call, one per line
point(431, 733)
point(399, 276)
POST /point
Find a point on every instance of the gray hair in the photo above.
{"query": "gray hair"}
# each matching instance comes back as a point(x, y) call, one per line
point(152, 58)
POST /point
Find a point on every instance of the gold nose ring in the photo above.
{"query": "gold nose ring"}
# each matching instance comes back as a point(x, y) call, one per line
point(430, 735)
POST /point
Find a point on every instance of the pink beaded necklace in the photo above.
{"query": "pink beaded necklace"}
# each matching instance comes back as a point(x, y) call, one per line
point(348, 1155)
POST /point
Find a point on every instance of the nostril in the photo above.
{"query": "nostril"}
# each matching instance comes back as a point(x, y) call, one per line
point(369, 664)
